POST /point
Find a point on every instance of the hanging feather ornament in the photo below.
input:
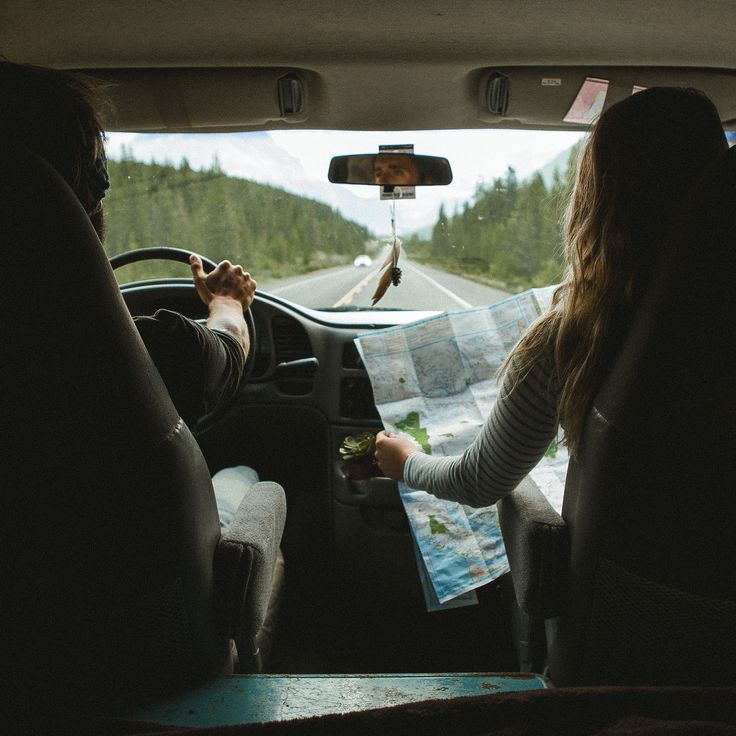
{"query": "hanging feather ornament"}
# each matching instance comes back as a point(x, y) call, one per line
point(392, 272)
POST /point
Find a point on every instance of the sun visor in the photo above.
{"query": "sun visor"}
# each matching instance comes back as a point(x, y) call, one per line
point(204, 99)
point(556, 97)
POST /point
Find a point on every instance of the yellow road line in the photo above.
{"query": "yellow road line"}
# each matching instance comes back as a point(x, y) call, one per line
point(347, 298)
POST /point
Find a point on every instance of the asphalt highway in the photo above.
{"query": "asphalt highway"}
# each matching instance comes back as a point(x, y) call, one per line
point(421, 288)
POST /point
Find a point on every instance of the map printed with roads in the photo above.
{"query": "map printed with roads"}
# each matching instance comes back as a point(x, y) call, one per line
point(434, 381)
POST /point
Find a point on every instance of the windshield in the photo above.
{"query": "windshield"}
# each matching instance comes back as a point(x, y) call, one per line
point(263, 199)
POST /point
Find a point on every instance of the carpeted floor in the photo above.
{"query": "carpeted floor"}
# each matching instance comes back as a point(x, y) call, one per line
point(563, 712)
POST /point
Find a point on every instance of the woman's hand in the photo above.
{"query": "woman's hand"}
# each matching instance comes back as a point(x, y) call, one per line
point(225, 281)
point(392, 453)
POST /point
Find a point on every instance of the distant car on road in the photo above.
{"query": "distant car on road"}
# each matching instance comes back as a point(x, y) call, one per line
point(362, 261)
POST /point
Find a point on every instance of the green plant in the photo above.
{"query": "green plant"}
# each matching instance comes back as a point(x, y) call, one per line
point(358, 448)
point(552, 449)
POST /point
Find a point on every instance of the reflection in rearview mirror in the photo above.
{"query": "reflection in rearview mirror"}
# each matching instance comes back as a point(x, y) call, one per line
point(390, 169)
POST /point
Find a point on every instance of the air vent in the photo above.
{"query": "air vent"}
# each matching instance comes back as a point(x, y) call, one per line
point(350, 356)
point(356, 399)
point(291, 342)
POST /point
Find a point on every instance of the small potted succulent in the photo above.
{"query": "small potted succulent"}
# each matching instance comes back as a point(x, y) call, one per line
point(357, 456)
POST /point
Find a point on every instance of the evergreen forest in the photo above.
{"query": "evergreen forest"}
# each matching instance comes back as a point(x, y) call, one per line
point(270, 231)
point(509, 235)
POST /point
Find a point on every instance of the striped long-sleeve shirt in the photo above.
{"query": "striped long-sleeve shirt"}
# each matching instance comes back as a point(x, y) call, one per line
point(518, 432)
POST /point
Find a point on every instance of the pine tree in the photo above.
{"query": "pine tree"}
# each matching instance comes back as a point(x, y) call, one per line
point(268, 230)
point(509, 232)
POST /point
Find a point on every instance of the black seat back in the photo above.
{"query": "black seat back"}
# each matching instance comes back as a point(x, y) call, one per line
point(651, 504)
point(108, 517)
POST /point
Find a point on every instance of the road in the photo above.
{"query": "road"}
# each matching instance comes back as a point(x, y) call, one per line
point(421, 287)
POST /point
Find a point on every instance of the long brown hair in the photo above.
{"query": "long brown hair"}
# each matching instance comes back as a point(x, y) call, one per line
point(632, 178)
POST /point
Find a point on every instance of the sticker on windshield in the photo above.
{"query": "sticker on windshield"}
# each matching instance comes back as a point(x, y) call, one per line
point(589, 102)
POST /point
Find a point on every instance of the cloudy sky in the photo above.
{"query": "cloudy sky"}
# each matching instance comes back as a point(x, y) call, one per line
point(297, 160)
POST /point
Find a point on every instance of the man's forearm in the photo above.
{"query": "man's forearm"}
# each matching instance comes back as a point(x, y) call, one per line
point(226, 315)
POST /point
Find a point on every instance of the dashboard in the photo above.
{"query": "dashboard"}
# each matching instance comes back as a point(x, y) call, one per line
point(301, 355)
point(350, 559)
point(307, 390)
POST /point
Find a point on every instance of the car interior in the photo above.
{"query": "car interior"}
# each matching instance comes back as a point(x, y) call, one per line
point(120, 588)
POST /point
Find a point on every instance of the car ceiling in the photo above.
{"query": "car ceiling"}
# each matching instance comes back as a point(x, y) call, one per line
point(186, 65)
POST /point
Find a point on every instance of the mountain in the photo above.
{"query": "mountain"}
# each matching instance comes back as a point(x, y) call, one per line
point(558, 164)
point(273, 231)
point(255, 157)
point(258, 157)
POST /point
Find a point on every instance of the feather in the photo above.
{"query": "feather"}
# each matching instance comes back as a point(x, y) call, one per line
point(383, 284)
point(391, 273)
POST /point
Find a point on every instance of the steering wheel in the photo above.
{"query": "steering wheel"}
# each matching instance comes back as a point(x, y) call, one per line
point(181, 255)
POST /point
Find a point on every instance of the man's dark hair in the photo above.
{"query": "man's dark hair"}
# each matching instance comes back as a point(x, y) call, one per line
point(55, 114)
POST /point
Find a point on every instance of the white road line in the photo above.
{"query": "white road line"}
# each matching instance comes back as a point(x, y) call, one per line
point(439, 286)
point(300, 283)
point(347, 298)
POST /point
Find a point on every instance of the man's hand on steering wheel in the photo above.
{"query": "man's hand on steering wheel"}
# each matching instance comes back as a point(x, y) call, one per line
point(226, 280)
point(227, 291)
point(226, 309)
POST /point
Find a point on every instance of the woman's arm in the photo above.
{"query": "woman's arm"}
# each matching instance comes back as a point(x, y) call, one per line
point(520, 428)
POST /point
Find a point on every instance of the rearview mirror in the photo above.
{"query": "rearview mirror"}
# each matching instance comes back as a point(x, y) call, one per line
point(390, 169)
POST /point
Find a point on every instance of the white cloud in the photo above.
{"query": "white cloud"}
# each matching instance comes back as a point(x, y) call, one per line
point(297, 160)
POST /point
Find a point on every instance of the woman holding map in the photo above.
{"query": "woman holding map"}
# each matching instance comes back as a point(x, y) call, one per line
point(633, 174)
